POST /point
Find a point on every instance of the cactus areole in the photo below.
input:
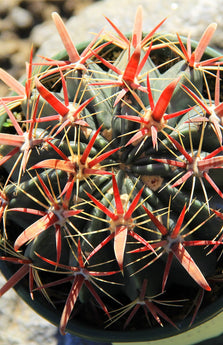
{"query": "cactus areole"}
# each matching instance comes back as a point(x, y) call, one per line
point(111, 163)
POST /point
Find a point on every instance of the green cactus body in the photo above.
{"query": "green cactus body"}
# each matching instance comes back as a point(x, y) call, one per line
point(112, 186)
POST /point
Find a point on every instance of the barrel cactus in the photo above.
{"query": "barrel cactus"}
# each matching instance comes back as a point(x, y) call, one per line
point(111, 181)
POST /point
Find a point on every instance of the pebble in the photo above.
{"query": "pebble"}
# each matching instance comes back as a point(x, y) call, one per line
point(21, 18)
point(41, 33)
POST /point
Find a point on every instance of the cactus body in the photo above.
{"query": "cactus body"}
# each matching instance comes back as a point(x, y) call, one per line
point(112, 184)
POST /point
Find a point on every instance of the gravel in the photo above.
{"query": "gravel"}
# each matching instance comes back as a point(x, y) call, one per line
point(24, 23)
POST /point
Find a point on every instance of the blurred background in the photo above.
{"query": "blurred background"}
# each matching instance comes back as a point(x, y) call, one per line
point(27, 22)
